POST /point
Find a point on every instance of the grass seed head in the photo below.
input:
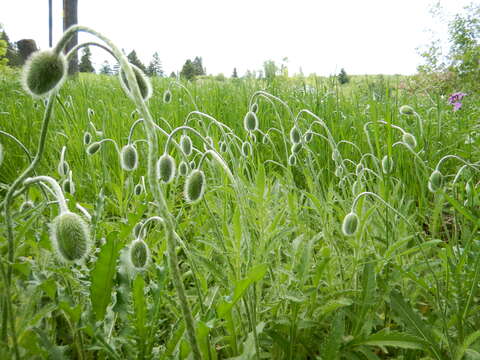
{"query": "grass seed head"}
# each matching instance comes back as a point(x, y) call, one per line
point(139, 254)
point(250, 122)
point(186, 144)
point(350, 224)
point(129, 158)
point(295, 135)
point(143, 83)
point(70, 236)
point(43, 72)
point(195, 186)
point(93, 148)
point(166, 168)
point(409, 140)
point(435, 182)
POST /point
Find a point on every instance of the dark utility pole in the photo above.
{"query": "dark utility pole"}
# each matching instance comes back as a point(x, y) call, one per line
point(70, 18)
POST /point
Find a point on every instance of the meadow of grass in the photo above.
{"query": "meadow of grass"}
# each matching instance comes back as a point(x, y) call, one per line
point(267, 270)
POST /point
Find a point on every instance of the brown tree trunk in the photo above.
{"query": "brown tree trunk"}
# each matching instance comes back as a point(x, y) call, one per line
point(70, 18)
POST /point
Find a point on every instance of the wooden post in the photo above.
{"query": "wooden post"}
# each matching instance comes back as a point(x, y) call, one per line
point(70, 18)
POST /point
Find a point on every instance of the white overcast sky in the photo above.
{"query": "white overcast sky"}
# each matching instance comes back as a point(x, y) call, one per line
point(363, 36)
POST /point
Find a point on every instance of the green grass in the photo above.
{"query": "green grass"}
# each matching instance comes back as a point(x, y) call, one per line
point(267, 269)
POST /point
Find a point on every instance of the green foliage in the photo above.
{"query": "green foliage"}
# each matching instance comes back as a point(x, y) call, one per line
point(133, 59)
point(192, 69)
point(155, 66)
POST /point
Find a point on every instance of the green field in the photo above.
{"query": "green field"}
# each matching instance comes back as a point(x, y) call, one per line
point(263, 266)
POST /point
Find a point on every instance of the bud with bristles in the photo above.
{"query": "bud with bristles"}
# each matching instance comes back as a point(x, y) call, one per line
point(192, 164)
point(87, 138)
point(186, 144)
point(183, 168)
point(139, 254)
point(63, 168)
point(93, 148)
point(435, 181)
point(250, 122)
point(138, 189)
point(167, 97)
point(195, 186)
point(43, 72)
point(68, 186)
point(308, 136)
point(166, 168)
point(296, 148)
point(70, 236)
point(90, 113)
point(336, 156)
point(246, 149)
point(350, 224)
point(295, 135)
point(254, 108)
point(359, 169)
point(265, 139)
point(209, 141)
point(292, 160)
point(409, 140)
point(406, 110)
point(142, 81)
point(129, 158)
point(253, 137)
point(387, 164)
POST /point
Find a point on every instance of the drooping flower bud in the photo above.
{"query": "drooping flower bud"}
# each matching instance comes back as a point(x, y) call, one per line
point(387, 164)
point(129, 158)
point(195, 186)
point(43, 72)
point(292, 160)
point(295, 148)
point(93, 148)
point(350, 224)
point(70, 236)
point(142, 81)
point(246, 149)
point(183, 168)
point(167, 97)
point(308, 136)
point(295, 135)
point(166, 168)
point(87, 138)
point(186, 145)
point(254, 108)
point(406, 110)
point(336, 156)
point(409, 140)
point(250, 122)
point(435, 182)
point(139, 254)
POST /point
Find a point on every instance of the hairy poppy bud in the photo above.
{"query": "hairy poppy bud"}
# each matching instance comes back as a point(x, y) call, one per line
point(295, 135)
point(87, 138)
point(350, 224)
point(387, 164)
point(406, 110)
point(142, 81)
point(129, 158)
point(409, 140)
point(435, 182)
point(167, 97)
point(70, 236)
point(166, 168)
point(250, 122)
point(43, 72)
point(139, 254)
point(183, 168)
point(195, 186)
point(292, 160)
point(186, 144)
point(93, 148)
